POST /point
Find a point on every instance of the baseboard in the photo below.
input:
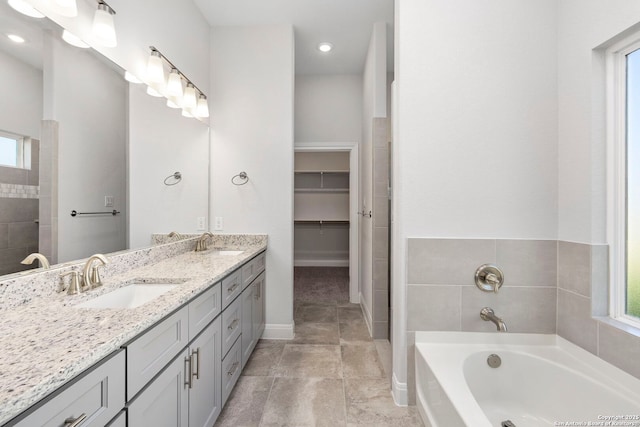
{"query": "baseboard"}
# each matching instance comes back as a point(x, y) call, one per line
point(399, 391)
point(278, 331)
point(321, 263)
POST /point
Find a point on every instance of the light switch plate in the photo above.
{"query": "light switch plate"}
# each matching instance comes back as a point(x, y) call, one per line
point(108, 201)
point(202, 223)
point(217, 224)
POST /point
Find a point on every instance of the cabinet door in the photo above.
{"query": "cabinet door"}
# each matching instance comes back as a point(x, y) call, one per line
point(119, 421)
point(165, 402)
point(247, 338)
point(205, 398)
point(258, 307)
point(96, 397)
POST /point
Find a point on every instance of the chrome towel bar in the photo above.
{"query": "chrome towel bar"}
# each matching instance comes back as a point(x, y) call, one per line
point(76, 213)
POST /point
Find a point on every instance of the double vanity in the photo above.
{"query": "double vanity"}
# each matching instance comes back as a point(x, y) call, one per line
point(161, 342)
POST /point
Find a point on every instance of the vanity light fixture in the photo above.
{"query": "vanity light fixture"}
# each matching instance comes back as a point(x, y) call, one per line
point(15, 38)
point(202, 110)
point(73, 40)
point(325, 47)
point(191, 99)
point(25, 8)
point(155, 67)
point(103, 26)
point(174, 85)
point(67, 8)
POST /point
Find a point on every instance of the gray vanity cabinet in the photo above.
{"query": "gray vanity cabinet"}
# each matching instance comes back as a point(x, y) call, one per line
point(258, 315)
point(253, 320)
point(92, 400)
point(165, 401)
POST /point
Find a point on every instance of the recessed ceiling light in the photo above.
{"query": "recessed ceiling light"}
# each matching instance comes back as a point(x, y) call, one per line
point(325, 47)
point(25, 8)
point(15, 38)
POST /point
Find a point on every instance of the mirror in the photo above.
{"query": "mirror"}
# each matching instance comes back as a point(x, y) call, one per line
point(63, 129)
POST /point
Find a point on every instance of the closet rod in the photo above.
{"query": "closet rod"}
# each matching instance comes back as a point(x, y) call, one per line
point(319, 221)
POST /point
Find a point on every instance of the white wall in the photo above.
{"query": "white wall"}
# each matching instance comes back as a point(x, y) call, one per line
point(475, 136)
point(328, 108)
point(88, 100)
point(163, 142)
point(374, 93)
point(584, 25)
point(252, 83)
point(20, 97)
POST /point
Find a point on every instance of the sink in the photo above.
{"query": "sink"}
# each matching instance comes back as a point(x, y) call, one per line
point(130, 296)
point(221, 252)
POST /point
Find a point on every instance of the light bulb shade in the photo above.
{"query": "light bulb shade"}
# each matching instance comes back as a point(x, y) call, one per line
point(73, 40)
point(186, 112)
point(172, 104)
point(67, 8)
point(174, 85)
point(151, 91)
point(25, 8)
point(130, 77)
point(155, 68)
point(189, 99)
point(202, 110)
point(103, 28)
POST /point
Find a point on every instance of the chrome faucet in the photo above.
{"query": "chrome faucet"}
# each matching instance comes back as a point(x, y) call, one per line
point(488, 314)
point(175, 234)
point(44, 262)
point(90, 274)
point(201, 245)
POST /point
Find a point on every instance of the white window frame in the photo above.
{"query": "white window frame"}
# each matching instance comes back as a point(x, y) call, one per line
point(20, 141)
point(617, 175)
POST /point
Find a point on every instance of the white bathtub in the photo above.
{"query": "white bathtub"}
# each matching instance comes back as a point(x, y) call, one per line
point(543, 380)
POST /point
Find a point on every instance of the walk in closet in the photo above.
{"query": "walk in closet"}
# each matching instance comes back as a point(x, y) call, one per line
point(321, 209)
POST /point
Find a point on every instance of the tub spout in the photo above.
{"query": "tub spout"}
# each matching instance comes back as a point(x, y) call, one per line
point(487, 314)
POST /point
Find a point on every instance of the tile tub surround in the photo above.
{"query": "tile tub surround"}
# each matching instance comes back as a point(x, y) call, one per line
point(46, 341)
point(550, 287)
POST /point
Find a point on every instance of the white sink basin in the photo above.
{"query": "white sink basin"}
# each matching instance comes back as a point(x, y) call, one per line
point(221, 252)
point(131, 296)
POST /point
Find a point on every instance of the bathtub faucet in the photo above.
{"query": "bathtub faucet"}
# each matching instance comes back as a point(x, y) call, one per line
point(487, 314)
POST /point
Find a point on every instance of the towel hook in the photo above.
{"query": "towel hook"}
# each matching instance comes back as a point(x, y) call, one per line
point(177, 176)
point(243, 176)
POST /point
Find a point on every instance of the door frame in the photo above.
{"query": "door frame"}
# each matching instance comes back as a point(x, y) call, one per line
point(354, 220)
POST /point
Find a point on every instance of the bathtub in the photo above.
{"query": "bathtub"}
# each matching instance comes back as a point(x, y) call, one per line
point(543, 380)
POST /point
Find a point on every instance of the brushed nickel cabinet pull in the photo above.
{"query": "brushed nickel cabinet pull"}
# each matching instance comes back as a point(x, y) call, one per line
point(233, 369)
point(233, 288)
point(196, 354)
point(233, 324)
point(187, 372)
point(74, 422)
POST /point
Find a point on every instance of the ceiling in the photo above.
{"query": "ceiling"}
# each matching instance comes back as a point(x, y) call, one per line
point(12, 22)
point(347, 24)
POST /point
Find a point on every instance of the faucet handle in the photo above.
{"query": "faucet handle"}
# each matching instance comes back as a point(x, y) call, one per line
point(74, 285)
point(95, 276)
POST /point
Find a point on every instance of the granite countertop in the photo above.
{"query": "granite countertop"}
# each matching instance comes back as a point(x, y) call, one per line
point(48, 341)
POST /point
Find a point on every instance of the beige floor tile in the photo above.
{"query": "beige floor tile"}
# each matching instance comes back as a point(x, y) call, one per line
point(361, 361)
point(316, 333)
point(349, 313)
point(263, 359)
point(304, 361)
point(316, 313)
point(246, 403)
point(304, 402)
point(369, 403)
point(354, 331)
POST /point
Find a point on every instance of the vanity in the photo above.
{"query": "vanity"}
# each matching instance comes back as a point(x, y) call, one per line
point(83, 360)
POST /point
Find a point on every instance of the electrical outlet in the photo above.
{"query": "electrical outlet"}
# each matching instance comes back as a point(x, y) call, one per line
point(217, 224)
point(108, 201)
point(202, 224)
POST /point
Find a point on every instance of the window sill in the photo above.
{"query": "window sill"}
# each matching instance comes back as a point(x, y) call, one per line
point(623, 326)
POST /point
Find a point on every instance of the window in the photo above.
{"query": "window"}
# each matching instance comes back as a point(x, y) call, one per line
point(624, 178)
point(11, 150)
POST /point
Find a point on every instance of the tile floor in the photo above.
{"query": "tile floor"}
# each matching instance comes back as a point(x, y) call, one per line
point(330, 374)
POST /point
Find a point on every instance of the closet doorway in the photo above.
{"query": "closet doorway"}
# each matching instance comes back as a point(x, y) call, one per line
point(325, 209)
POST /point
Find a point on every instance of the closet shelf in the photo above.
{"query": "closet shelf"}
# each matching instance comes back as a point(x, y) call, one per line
point(321, 171)
point(321, 190)
point(320, 221)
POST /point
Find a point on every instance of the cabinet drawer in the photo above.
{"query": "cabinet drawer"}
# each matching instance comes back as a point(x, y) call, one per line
point(260, 263)
point(231, 287)
point(98, 395)
point(231, 325)
point(119, 421)
point(248, 274)
point(231, 368)
point(149, 353)
point(204, 309)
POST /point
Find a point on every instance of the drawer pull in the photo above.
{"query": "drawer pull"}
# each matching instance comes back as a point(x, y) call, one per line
point(188, 372)
point(233, 288)
point(233, 369)
point(233, 324)
point(196, 374)
point(74, 422)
